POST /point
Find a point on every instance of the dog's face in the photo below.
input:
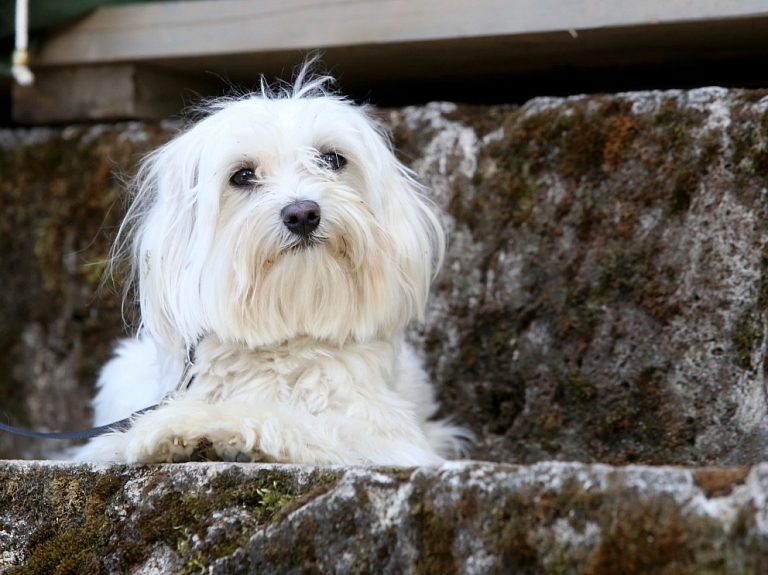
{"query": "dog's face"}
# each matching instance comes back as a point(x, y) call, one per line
point(277, 217)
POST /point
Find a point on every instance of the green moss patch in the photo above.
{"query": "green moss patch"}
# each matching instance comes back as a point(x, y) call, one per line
point(86, 523)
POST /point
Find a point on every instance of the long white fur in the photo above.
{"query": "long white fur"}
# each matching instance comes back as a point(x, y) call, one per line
point(299, 350)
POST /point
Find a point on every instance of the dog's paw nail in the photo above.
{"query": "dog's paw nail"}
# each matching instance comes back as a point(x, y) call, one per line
point(228, 455)
point(243, 458)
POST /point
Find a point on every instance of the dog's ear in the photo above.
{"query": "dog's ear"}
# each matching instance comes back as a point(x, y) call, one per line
point(169, 226)
point(420, 242)
point(409, 217)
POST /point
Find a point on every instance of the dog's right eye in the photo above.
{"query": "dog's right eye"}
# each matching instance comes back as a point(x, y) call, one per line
point(245, 178)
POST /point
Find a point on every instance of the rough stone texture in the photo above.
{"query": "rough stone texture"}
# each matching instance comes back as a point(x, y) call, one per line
point(472, 518)
point(603, 299)
point(59, 205)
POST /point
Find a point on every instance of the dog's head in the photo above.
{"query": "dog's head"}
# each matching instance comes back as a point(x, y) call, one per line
point(281, 214)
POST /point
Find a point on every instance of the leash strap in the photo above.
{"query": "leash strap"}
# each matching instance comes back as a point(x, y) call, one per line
point(118, 426)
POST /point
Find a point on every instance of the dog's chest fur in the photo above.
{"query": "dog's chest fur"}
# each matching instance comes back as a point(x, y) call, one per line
point(303, 374)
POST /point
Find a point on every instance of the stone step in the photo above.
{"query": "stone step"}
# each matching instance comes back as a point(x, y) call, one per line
point(463, 517)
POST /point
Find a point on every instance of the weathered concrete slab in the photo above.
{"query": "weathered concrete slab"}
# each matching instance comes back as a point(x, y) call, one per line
point(604, 294)
point(465, 517)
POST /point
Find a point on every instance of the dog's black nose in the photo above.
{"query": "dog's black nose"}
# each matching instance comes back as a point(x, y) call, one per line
point(301, 217)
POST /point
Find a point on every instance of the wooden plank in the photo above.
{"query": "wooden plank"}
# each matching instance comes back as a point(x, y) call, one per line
point(390, 52)
point(211, 27)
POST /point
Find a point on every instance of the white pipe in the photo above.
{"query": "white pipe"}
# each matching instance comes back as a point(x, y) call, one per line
point(20, 65)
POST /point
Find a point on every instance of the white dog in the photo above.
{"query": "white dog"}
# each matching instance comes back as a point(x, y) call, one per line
point(280, 242)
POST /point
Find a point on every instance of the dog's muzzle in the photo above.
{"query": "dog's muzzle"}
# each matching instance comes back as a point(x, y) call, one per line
point(301, 218)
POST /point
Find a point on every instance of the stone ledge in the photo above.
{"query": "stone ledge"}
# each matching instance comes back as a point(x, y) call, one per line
point(467, 517)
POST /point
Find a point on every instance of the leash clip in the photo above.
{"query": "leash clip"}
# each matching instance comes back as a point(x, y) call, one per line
point(186, 375)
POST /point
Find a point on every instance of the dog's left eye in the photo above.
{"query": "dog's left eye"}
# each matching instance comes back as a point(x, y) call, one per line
point(245, 178)
point(333, 161)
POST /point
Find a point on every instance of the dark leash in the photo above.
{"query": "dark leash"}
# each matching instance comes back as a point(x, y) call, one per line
point(117, 426)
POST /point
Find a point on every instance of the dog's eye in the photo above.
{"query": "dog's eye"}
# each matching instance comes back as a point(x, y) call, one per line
point(244, 178)
point(333, 161)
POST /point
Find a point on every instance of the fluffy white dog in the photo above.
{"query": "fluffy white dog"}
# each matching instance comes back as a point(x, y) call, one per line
point(280, 242)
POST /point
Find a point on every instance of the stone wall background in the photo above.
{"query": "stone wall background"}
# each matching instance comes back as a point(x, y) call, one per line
point(60, 199)
point(603, 299)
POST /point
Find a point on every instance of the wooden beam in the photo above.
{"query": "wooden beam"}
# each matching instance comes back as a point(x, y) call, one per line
point(136, 61)
point(215, 27)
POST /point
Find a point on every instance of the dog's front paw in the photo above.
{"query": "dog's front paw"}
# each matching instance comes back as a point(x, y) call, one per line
point(190, 431)
point(232, 450)
point(214, 443)
point(159, 448)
